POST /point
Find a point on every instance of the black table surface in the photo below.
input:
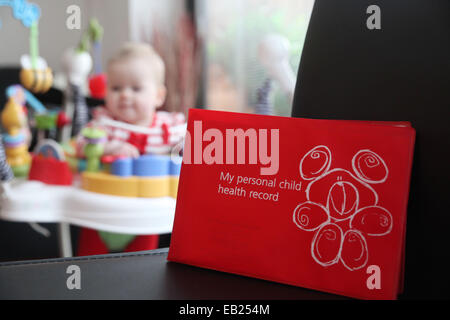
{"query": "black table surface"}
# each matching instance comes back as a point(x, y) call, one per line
point(141, 275)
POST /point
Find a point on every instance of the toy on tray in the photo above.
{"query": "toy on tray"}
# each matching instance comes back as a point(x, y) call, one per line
point(149, 176)
point(14, 121)
point(15, 139)
point(49, 165)
point(94, 148)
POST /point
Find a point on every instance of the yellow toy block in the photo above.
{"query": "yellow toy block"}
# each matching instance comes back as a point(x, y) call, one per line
point(173, 186)
point(154, 187)
point(104, 183)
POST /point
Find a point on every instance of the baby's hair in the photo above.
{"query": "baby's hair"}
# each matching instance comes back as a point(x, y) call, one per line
point(145, 51)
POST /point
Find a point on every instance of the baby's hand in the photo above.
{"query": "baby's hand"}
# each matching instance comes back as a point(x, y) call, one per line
point(121, 149)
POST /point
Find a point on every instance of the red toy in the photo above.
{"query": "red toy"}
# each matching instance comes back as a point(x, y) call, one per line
point(97, 86)
point(50, 171)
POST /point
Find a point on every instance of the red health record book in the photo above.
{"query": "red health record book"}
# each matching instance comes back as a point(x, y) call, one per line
point(319, 204)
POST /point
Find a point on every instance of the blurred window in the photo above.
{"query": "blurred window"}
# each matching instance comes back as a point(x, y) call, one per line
point(236, 32)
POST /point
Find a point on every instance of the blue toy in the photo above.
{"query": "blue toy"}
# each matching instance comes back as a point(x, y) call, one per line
point(28, 13)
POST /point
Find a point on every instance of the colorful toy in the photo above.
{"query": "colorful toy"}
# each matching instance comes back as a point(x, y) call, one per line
point(49, 165)
point(97, 85)
point(13, 117)
point(21, 95)
point(97, 82)
point(148, 176)
point(50, 149)
point(28, 13)
point(36, 76)
point(14, 120)
point(77, 63)
point(94, 148)
point(16, 147)
point(153, 177)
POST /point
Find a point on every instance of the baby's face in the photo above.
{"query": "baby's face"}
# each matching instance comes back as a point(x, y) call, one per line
point(132, 94)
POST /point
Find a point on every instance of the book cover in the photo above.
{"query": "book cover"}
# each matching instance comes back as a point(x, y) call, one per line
point(319, 204)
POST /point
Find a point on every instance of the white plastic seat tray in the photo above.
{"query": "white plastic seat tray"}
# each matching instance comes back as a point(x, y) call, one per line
point(32, 201)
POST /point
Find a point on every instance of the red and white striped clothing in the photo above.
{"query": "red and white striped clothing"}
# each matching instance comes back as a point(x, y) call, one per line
point(166, 130)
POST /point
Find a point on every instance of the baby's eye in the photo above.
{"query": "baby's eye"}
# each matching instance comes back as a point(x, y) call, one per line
point(115, 88)
point(136, 88)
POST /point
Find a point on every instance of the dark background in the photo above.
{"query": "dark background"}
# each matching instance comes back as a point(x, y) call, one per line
point(398, 73)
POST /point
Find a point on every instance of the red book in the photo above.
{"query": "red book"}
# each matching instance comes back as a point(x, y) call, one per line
point(319, 204)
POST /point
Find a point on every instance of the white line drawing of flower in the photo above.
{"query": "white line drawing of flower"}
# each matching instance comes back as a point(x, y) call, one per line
point(336, 196)
point(370, 167)
point(321, 157)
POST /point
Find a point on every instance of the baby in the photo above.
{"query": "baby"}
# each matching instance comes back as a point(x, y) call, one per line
point(135, 77)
